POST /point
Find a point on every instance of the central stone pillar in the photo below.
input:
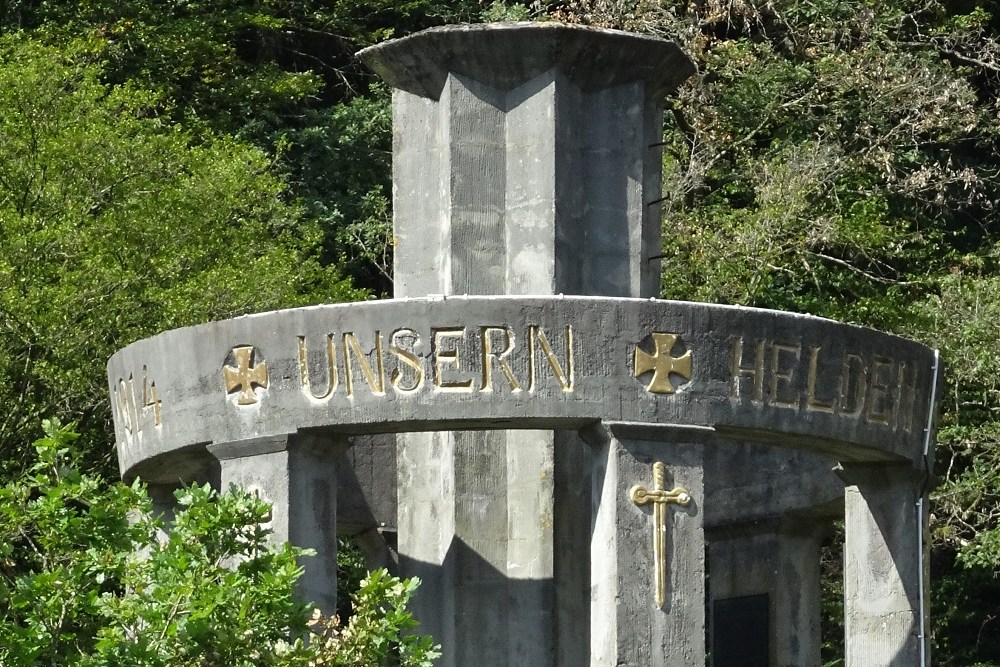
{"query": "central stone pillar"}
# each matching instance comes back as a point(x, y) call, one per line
point(526, 160)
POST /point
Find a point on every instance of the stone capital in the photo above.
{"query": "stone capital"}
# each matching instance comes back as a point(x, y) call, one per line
point(505, 55)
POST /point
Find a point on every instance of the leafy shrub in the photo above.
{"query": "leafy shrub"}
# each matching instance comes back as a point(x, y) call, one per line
point(90, 578)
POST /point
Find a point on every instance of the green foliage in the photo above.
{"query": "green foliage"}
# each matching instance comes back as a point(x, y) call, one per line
point(838, 157)
point(341, 160)
point(279, 74)
point(963, 613)
point(115, 224)
point(825, 145)
point(67, 543)
point(210, 593)
point(351, 571)
point(506, 11)
point(811, 165)
point(379, 629)
point(88, 578)
point(230, 63)
point(963, 318)
point(164, 164)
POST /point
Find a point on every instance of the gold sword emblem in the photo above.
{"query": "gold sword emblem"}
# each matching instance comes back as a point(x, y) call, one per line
point(660, 498)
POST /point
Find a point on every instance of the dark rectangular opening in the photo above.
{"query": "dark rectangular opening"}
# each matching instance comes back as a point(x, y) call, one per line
point(740, 632)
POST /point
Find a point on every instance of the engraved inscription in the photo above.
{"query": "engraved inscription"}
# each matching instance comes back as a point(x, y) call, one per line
point(248, 373)
point(814, 402)
point(446, 353)
point(874, 388)
point(784, 362)
point(352, 348)
point(661, 363)
point(332, 376)
point(565, 378)
point(125, 399)
point(487, 358)
point(408, 376)
point(491, 357)
point(136, 403)
point(150, 397)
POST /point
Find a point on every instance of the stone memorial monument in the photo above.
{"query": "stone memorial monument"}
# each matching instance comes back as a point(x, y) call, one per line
point(560, 456)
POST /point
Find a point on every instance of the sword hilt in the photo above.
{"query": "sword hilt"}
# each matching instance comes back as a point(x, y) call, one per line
point(640, 495)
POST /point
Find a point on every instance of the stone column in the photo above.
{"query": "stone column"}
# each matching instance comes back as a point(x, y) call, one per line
point(296, 474)
point(526, 160)
point(161, 496)
point(366, 498)
point(883, 565)
point(797, 594)
point(775, 566)
point(633, 620)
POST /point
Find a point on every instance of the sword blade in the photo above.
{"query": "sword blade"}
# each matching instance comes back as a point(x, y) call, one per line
point(660, 551)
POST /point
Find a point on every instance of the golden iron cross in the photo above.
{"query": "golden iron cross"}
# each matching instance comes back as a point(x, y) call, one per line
point(662, 364)
point(660, 498)
point(245, 377)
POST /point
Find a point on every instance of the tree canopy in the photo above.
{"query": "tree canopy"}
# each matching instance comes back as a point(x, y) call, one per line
point(115, 222)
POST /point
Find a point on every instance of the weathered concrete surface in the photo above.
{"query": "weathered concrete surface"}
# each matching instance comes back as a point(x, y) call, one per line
point(628, 625)
point(780, 559)
point(517, 169)
point(866, 399)
point(761, 394)
point(296, 475)
point(751, 483)
point(477, 539)
point(543, 189)
point(527, 158)
point(366, 498)
point(882, 566)
point(511, 53)
point(571, 536)
point(366, 485)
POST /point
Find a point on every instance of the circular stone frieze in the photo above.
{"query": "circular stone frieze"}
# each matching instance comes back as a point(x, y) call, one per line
point(523, 362)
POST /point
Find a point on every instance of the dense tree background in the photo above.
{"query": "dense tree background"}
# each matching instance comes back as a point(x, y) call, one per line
point(163, 163)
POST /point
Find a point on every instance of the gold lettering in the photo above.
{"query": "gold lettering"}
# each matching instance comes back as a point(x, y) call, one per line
point(490, 357)
point(408, 358)
point(442, 356)
point(852, 386)
point(565, 379)
point(126, 405)
point(333, 377)
point(906, 395)
point(738, 369)
point(124, 414)
point(780, 378)
point(132, 407)
point(150, 397)
point(351, 345)
point(814, 404)
point(879, 406)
